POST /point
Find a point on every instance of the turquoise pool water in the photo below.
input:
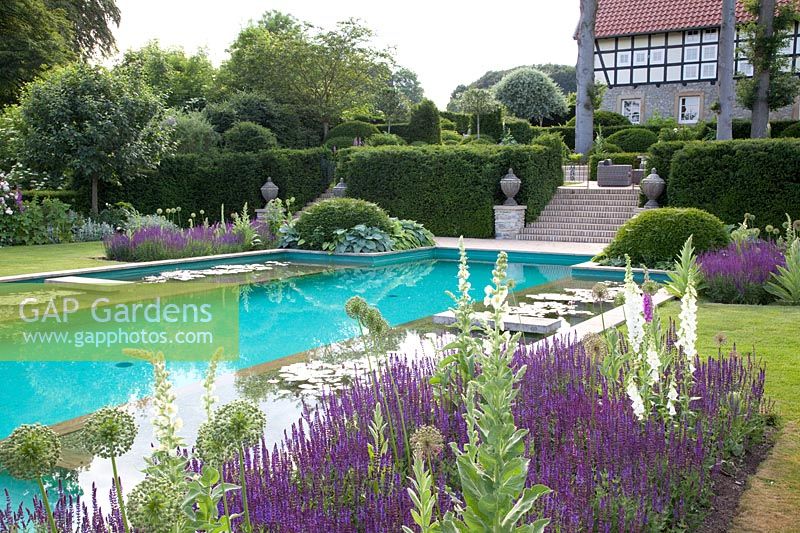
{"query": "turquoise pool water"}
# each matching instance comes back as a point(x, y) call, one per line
point(277, 319)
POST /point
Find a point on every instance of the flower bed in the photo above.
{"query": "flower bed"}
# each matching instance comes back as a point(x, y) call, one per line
point(739, 272)
point(153, 243)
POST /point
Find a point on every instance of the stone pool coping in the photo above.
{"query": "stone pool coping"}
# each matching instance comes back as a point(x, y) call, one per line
point(590, 270)
point(443, 251)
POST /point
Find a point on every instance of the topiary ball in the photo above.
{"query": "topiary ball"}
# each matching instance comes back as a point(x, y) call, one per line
point(353, 129)
point(109, 432)
point(154, 505)
point(317, 224)
point(658, 235)
point(633, 139)
point(249, 137)
point(30, 452)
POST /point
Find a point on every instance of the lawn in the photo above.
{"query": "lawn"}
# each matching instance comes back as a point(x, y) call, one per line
point(772, 499)
point(49, 257)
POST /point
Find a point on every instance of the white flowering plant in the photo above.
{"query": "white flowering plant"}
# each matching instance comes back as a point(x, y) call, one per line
point(657, 378)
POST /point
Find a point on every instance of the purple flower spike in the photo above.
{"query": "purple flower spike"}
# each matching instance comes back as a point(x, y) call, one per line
point(647, 304)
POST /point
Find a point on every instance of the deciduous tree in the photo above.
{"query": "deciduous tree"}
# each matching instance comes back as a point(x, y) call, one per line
point(584, 109)
point(92, 126)
point(478, 102)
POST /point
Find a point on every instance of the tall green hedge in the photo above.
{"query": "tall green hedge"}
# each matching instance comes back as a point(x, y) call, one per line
point(520, 129)
point(423, 126)
point(462, 120)
point(205, 181)
point(451, 189)
point(733, 177)
point(491, 124)
point(660, 157)
point(568, 132)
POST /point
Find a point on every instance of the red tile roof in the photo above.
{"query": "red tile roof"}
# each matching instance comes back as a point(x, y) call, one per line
point(626, 17)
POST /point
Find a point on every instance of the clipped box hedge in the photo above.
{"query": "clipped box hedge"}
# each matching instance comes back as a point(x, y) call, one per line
point(451, 189)
point(731, 178)
point(568, 132)
point(206, 181)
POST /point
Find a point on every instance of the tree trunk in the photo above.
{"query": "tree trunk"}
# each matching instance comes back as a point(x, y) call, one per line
point(760, 116)
point(388, 126)
point(94, 195)
point(725, 67)
point(584, 107)
point(325, 128)
point(478, 123)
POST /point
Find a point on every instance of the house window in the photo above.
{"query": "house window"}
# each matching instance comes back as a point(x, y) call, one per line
point(657, 57)
point(693, 36)
point(623, 59)
point(690, 72)
point(631, 108)
point(709, 70)
point(710, 53)
point(688, 109)
point(691, 53)
point(640, 57)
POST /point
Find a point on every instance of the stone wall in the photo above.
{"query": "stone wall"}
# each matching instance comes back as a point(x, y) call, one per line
point(663, 100)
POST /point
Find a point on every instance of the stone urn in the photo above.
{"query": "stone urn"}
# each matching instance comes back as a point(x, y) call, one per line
point(269, 190)
point(340, 189)
point(653, 187)
point(510, 185)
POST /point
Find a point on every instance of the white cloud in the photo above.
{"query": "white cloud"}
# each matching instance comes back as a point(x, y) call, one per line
point(445, 42)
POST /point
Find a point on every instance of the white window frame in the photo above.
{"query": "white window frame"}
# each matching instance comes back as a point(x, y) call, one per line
point(695, 50)
point(657, 60)
point(627, 56)
point(692, 37)
point(691, 72)
point(684, 109)
point(710, 75)
point(640, 57)
point(634, 116)
point(709, 52)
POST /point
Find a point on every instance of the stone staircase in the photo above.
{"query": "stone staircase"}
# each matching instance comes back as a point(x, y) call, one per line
point(324, 196)
point(580, 214)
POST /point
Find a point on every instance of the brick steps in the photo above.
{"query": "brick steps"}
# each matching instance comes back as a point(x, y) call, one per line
point(583, 215)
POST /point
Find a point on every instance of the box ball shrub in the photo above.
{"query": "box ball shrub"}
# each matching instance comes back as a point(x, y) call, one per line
point(385, 139)
point(792, 131)
point(605, 118)
point(249, 137)
point(657, 235)
point(447, 125)
point(474, 139)
point(318, 223)
point(353, 129)
point(340, 142)
point(424, 124)
point(451, 136)
point(633, 139)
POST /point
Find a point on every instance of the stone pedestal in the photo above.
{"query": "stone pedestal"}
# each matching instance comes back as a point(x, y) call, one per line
point(509, 220)
point(261, 214)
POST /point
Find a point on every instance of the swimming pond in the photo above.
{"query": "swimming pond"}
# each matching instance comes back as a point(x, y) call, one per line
point(277, 318)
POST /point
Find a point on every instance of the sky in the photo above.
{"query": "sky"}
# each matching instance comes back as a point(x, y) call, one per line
point(446, 42)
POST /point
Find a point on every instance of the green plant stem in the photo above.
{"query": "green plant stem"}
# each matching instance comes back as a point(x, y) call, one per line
point(120, 497)
point(46, 503)
point(245, 508)
point(225, 497)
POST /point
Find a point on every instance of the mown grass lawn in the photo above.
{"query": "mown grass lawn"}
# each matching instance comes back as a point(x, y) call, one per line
point(49, 257)
point(772, 499)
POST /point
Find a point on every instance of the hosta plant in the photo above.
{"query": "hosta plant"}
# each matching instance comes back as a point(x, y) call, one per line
point(408, 234)
point(359, 239)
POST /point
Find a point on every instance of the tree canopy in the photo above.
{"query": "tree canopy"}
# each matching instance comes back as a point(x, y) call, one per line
point(405, 81)
point(184, 81)
point(326, 71)
point(531, 94)
point(478, 102)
